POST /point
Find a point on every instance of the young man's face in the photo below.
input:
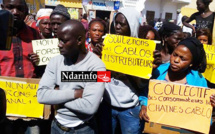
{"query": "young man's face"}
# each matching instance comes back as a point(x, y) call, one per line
point(68, 42)
point(121, 25)
point(17, 8)
point(56, 21)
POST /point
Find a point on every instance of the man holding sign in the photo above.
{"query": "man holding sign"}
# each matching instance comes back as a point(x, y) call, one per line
point(120, 102)
point(20, 60)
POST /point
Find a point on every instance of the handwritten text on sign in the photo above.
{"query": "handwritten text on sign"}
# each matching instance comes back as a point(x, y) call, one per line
point(46, 49)
point(21, 99)
point(181, 106)
point(128, 55)
point(209, 73)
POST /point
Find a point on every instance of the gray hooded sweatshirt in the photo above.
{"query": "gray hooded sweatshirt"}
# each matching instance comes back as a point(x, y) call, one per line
point(120, 92)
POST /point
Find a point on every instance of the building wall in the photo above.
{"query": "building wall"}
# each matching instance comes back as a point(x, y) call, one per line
point(169, 7)
point(152, 5)
point(109, 5)
point(161, 7)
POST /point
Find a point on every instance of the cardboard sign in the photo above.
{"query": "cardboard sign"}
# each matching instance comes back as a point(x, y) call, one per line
point(213, 34)
point(180, 105)
point(128, 55)
point(21, 98)
point(209, 73)
point(154, 128)
point(46, 49)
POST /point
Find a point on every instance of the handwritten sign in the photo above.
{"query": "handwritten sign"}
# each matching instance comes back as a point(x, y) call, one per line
point(154, 128)
point(128, 55)
point(21, 99)
point(46, 49)
point(179, 105)
point(213, 34)
point(209, 73)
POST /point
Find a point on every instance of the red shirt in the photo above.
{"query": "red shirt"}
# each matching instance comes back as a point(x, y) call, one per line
point(15, 62)
point(88, 45)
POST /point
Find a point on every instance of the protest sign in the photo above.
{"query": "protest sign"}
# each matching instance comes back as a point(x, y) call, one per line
point(46, 49)
point(213, 34)
point(180, 105)
point(154, 128)
point(21, 97)
point(128, 55)
point(209, 73)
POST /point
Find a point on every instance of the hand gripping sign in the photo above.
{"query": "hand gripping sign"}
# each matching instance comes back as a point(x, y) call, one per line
point(46, 49)
point(180, 105)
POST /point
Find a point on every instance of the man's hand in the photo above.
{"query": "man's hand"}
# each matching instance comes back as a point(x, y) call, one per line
point(78, 93)
point(157, 59)
point(34, 58)
point(56, 87)
point(98, 49)
point(143, 114)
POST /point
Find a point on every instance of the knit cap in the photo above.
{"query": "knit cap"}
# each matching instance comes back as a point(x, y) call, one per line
point(207, 1)
point(60, 9)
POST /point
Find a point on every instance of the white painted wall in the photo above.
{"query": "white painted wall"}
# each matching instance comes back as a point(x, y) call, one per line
point(152, 5)
point(161, 7)
point(169, 7)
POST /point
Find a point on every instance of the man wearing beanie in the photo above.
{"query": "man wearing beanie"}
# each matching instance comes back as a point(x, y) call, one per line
point(43, 22)
point(58, 16)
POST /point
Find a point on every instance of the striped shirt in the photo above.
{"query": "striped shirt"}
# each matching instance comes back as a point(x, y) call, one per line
point(15, 62)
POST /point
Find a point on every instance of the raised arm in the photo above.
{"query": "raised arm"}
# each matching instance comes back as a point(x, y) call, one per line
point(188, 20)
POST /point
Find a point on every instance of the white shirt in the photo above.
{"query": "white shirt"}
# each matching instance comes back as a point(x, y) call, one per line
point(179, 22)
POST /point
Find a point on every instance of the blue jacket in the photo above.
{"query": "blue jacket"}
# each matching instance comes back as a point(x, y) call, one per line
point(193, 77)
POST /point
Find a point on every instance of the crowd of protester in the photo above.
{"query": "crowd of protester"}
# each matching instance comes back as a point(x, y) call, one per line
point(119, 106)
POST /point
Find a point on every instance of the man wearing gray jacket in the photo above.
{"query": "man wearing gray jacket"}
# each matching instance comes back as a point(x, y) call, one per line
point(76, 109)
point(121, 105)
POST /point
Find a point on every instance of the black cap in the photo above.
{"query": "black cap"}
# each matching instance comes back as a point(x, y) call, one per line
point(60, 9)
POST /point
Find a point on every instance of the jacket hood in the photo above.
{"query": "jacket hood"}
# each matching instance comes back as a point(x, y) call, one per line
point(132, 16)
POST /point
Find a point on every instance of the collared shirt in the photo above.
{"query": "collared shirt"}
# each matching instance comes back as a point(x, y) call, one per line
point(15, 62)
